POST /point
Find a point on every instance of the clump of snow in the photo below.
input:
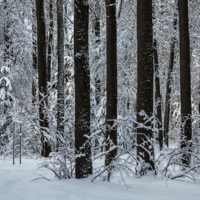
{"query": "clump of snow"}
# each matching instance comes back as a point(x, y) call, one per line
point(5, 82)
point(2, 94)
point(5, 70)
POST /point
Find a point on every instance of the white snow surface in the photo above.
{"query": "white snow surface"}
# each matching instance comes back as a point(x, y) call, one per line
point(15, 184)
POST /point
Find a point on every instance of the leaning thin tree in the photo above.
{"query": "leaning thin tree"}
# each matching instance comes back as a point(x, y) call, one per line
point(186, 132)
point(83, 166)
point(145, 81)
point(42, 73)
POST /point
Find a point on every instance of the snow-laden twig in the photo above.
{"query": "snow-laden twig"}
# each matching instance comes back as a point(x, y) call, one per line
point(41, 177)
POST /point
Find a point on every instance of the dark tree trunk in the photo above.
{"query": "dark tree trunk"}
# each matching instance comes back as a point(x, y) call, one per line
point(34, 55)
point(111, 105)
point(168, 88)
point(60, 87)
point(6, 33)
point(83, 166)
point(158, 97)
point(97, 34)
point(50, 40)
point(199, 110)
point(145, 79)
point(185, 76)
point(168, 94)
point(42, 73)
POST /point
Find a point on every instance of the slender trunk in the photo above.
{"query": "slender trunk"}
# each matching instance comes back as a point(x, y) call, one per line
point(42, 72)
point(199, 110)
point(168, 94)
point(111, 105)
point(34, 56)
point(186, 134)
point(50, 40)
point(97, 34)
point(158, 97)
point(6, 33)
point(145, 80)
point(83, 166)
point(60, 87)
point(119, 8)
point(168, 88)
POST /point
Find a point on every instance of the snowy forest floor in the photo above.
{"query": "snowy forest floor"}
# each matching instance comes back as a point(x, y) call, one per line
point(16, 184)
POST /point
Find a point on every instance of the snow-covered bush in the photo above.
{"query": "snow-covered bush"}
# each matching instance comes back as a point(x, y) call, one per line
point(6, 107)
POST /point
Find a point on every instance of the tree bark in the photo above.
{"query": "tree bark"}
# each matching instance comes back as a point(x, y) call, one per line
point(60, 87)
point(42, 72)
point(50, 40)
point(158, 97)
point(34, 56)
point(6, 34)
point(111, 105)
point(145, 79)
point(97, 34)
point(186, 133)
point(168, 88)
point(83, 166)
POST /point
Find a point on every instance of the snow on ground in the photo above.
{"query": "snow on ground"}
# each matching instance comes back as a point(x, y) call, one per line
point(15, 184)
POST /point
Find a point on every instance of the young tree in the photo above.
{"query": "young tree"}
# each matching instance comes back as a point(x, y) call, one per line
point(145, 80)
point(158, 95)
point(6, 104)
point(186, 134)
point(42, 72)
point(111, 105)
point(82, 89)
point(60, 87)
point(169, 80)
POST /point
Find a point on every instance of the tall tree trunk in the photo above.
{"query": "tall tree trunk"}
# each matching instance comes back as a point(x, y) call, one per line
point(6, 33)
point(34, 55)
point(185, 76)
point(82, 88)
point(168, 88)
point(50, 39)
point(60, 87)
point(145, 79)
point(158, 97)
point(111, 105)
point(97, 34)
point(42, 72)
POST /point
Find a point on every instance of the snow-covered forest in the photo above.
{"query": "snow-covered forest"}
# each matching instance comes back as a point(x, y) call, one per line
point(104, 93)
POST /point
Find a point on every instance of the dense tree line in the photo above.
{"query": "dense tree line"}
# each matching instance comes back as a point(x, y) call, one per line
point(101, 79)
